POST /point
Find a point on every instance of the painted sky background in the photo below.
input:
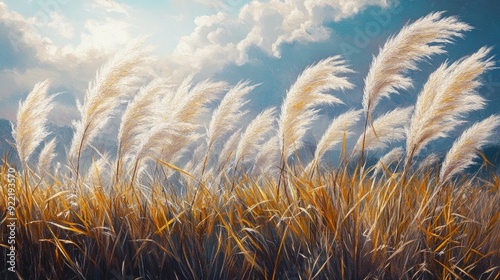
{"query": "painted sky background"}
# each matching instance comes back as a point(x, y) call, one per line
point(266, 42)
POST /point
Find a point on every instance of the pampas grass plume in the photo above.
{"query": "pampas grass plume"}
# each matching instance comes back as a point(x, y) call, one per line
point(190, 101)
point(267, 157)
point(254, 134)
point(448, 95)
point(307, 92)
point(46, 156)
point(30, 129)
point(386, 129)
point(139, 115)
point(422, 39)
point(335, 132)
point(228, 114)
point(464, 149)
point(391, 157)
point(111, 85)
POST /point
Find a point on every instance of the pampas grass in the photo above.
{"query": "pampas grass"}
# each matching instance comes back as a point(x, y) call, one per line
point(268, 157)
point(139, 115)
point(336, 132)
point(30, 129)
point(427, 162)
point(252, 139)
point(386, 129)
point(415, 42)
point(229, 112)
point(450, 93)
point(187, 106)
point(297, 111)
point(464, 149)
point(393, 156)
point(185, 208)
point(46, 156)
point(190, 101)
point(111, 85)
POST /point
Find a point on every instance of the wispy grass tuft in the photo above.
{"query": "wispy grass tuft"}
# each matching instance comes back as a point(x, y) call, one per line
point(450, 93)
point(46, 156)
point(465, 148)
point(112, 84)
point(30, 129)
point(297, 111)
point(415, 42)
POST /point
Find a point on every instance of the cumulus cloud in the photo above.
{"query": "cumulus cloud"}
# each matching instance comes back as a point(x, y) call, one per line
point(33, 54)
point(100, 37)
point(225, 38)
point(62, 25)
point(111, 6)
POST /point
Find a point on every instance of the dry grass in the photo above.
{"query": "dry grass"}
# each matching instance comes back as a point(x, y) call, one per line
point(172, 204)
point(337, 226)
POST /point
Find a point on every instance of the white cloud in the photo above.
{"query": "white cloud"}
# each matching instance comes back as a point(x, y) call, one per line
point(224, 38)
point(61, 24)
point(70, 66)
point(100, 38)
point(111, 6)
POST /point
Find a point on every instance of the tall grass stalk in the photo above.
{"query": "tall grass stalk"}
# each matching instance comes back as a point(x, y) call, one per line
point(464, 149)
point(30, 129)
point(112, 84)
point(401, 53)
point(450, 93)
point(138, 117)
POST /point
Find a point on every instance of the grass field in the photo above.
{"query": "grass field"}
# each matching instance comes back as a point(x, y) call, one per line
point(185, 198)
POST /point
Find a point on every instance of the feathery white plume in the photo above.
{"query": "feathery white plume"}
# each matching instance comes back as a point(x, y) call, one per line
point(138, 116)
point(307, 92)
point(465, 148)
point(112, 84)
point(422, 39)
point(335, 133)
point(228, 113)
point(30, 129)
point(427, 162)
point(389, 128)
point(46, 156)
point(254, 135)
point(394, 155)
point(448, 95)
point(267, 158)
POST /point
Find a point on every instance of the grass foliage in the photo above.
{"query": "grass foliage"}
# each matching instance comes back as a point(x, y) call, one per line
point(195, 193)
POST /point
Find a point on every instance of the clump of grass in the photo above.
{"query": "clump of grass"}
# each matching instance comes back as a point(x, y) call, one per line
point(231, 222)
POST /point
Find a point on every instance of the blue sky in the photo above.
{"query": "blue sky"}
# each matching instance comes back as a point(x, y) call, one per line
point(266, 42)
